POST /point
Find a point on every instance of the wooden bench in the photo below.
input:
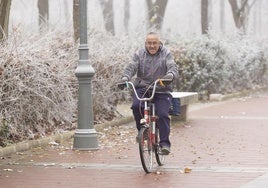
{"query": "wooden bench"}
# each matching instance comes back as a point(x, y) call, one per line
point(185, 99)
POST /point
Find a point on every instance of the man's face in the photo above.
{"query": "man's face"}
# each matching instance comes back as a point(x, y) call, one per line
point(152, 44)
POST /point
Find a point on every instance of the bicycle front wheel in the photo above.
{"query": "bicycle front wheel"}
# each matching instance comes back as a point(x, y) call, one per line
point(146, 149)
point(159, 157)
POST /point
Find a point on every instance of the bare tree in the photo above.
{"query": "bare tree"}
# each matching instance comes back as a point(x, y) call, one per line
point(43, 8)
point(66, 12)
point(76, 19)
point(204, 16)
point(222, 15)
point(156, 12)
point(108, 15)
point(241, 14)
point(126, 15)
point(4, 18)
point(257, 18)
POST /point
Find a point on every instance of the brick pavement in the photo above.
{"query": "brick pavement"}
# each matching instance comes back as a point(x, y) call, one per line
point(224, 143)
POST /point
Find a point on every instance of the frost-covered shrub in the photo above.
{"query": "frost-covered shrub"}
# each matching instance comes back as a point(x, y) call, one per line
point(246, 63)
point(200, 65)
point(36, 89)
point(220, 64)
point(108, 56)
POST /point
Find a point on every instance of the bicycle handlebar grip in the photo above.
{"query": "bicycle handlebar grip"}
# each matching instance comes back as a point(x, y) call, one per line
point(163, 82)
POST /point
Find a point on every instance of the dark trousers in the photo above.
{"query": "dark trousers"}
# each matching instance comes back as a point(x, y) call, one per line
point(162, 103)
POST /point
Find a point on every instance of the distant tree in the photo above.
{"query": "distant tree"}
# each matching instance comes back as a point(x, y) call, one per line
point(222, 15)
point(76, 19)
point(156, 12)
point(108, 15)
point(204, 16)
point(4, 18)
point(126, 15)
point(66, 12)
point(43, 8)
point(241, 13)
point(257, 18)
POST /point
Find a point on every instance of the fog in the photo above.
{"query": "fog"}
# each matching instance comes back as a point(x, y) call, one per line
point(181, 17)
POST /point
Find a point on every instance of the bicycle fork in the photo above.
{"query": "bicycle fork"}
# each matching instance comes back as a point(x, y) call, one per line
point(149, 120)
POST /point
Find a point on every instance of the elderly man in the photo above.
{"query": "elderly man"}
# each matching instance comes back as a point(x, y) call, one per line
point(149, 64)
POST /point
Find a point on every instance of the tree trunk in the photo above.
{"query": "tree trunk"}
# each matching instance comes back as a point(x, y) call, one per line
point(260, 11)
point(222, 15)
point(257, 18)
point(240, 15)
point(76, 19)
point(66, 12)
point(156, 12)
point(204, 16)
point(43, 9)
point(126, 15)
point(108, 15)
point(4, 18)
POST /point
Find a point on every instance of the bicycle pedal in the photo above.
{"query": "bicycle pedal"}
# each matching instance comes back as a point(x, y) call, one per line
point(145, 125)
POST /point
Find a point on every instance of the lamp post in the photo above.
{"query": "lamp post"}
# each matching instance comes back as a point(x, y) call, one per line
point(85, 136)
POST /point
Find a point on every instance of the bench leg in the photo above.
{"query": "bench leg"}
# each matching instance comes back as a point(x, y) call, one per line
point(182, 116)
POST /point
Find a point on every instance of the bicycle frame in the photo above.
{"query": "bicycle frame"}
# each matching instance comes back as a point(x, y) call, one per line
point(150, 146)
point(146, 120)
point(150, 119)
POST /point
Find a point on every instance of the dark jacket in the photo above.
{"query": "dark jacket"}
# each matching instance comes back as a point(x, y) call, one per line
point(149, 68)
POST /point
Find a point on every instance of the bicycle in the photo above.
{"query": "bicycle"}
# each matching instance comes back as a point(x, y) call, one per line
point(148, 137)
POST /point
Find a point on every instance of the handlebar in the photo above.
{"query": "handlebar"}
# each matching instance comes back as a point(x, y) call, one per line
point(161, 82)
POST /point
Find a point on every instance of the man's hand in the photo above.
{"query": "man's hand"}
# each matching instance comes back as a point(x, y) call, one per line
point(168, 76)
point(166, 80)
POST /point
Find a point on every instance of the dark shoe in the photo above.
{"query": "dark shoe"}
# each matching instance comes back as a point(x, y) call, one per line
point(165, 150)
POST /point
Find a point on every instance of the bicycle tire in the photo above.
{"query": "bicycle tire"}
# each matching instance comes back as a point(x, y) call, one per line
point(159, 158)
point(146, 149)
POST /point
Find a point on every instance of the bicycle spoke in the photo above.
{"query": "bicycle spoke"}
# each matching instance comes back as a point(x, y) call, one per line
point(146, 150)
point(159, 158)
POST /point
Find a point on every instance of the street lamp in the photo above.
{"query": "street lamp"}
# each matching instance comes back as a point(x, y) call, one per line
point(85, 136)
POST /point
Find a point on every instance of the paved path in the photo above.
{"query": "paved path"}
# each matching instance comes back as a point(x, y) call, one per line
point(225, 144)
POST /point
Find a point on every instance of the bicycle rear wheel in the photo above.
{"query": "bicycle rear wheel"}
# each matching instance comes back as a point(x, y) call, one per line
point(159, 158)
point(146, 149)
